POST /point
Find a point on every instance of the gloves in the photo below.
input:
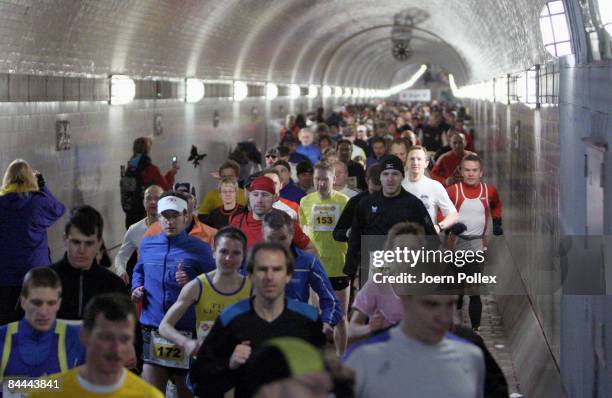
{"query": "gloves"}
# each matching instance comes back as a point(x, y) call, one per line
point(458, 228)
point(497, 227)
point(41, 181)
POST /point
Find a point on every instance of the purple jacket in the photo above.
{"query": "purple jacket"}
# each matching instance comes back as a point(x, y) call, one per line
point(24, 219)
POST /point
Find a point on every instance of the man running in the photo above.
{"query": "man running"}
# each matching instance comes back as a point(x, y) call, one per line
point(319, 214)
point(476, 202)
point(108, 338)
point(246, 325)
point(40, 344)
point(431, 192)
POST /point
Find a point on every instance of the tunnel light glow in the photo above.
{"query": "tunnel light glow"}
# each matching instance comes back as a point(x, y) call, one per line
point(453, 85)
point(355, 92)
point(241, 90)
point(337, 92)
point(327, 91)
point(481, 91)
point(294, 91)
point(347, 92)
point(194, 90)
point(122, 90)
point(362, 92)
point(409, 83)
point(271, 91)
point(313, 91)
point(605, 13)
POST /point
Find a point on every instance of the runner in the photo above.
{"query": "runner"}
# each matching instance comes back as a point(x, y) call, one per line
point(210, 293)
point(319, 214)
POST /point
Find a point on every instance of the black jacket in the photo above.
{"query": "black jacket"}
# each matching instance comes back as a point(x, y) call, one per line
point(80, 286)
point(496, 385)
point(376, 214)
point(345, 222)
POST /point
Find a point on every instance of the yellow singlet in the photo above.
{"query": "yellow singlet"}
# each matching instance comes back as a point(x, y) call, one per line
point(321, 217)
point(132, 387)
point(211, 302)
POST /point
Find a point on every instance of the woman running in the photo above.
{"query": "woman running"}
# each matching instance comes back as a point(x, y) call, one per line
point(212, 292)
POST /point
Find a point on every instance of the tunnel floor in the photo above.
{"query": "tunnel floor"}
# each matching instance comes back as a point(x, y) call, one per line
point(493, 333)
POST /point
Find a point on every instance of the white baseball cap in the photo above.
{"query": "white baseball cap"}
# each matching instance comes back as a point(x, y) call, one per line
point(171, 203)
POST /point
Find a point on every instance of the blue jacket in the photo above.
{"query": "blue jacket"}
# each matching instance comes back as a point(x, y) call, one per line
point(34, 354)
point(310, 273)
point(157, 264)
point(24, 219)
point(312, 152)
point(292, 192)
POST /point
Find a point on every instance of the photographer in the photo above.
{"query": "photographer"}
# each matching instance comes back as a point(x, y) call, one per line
point(27, 209)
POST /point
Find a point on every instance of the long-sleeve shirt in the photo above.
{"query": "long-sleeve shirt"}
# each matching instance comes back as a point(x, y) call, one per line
point(447, 165)
point(376, 214)
point(79, 286)
point(309, 273)
point(346, 218)
point(131, 241)
point(211, 375)
point(24, 219)
point(159, 259)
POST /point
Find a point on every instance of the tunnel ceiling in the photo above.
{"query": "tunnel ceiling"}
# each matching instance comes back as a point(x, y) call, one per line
point(302, 41)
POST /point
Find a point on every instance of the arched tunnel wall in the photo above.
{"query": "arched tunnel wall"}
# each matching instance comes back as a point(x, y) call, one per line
point(102, 136)
point(538, 159)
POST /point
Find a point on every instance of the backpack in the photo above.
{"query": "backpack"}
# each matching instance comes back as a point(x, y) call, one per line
point(131, 188)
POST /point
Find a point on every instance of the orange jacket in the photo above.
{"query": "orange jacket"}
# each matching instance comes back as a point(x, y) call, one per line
point(199, 230)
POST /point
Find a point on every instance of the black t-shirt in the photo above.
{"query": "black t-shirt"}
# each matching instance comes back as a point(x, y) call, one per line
point(210, 373)
point(219, 218)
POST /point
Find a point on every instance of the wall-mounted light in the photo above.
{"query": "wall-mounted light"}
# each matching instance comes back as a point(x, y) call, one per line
point(347, 92)
point(194, 90)
point(326, 91)
point(313, 91)
point(294, 91)
point(355, 92)
point(271, 91)
point(241, 90)
point(122, 90)
point(337, 92)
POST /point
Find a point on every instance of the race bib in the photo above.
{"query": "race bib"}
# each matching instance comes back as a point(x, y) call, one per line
point(166, 353)
point(325, 217)
point(204, 328)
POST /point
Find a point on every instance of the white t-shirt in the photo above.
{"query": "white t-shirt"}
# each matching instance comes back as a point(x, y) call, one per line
point(131, 241)
point(432, 194)
point(399, 366)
